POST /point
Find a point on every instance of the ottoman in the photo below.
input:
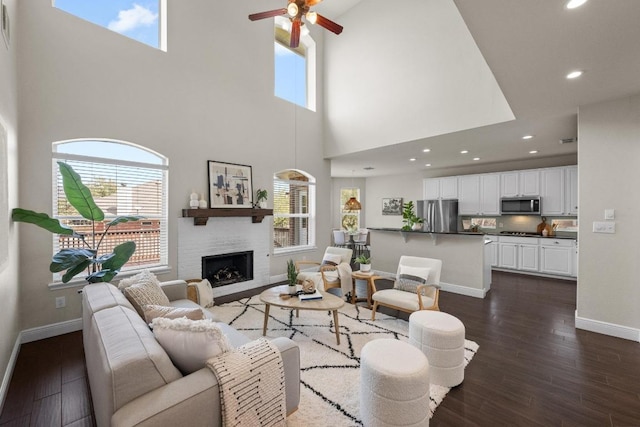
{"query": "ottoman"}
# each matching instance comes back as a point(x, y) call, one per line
point(440, 336)
point(394, 384)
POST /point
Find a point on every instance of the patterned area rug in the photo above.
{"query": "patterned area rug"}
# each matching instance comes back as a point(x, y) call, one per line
point(330, 373)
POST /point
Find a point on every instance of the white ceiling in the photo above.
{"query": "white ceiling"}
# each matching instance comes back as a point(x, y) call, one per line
point(530, 45)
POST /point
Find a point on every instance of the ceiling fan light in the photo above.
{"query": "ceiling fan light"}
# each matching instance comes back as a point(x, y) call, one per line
point(312, 17)
point(352, 205)
point(292, 9)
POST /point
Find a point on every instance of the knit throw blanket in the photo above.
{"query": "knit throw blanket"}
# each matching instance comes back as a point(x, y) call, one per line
point(251, 382)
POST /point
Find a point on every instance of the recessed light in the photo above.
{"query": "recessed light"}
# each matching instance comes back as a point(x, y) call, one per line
point(476, 158)
point(574, 74)
point(464, 151)
point(533, 152)
point(412, 159)
point(572, 4)
point(527, 137)
point(428, 165)
point(426, 150)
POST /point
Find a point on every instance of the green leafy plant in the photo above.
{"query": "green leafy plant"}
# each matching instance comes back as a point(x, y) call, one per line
point(292, 273)
point(363, 259)
point(76, 260)
point(409, 217)
point(261, 195)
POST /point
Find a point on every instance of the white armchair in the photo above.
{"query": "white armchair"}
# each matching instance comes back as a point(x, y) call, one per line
point(333, 272)
point(417, 286)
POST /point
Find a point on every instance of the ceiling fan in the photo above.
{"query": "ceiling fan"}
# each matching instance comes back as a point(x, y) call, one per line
point(296, 9)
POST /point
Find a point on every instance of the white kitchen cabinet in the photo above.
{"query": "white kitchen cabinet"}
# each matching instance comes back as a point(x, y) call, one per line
point(519, 253)
point(440, 188)
point(553, 191)
point(574, 261)
point(520, 183)
point(571, 190)
point(493, 250)
point(479, 194)
point(557, 256)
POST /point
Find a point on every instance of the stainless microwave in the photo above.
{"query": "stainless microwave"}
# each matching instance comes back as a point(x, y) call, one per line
point(520, 206)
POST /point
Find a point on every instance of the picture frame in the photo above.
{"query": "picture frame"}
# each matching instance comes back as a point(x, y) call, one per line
point(392, 206)
point(230, 185)
point(5, 23)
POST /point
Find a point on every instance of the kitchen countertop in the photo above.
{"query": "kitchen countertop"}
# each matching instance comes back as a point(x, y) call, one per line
point(475, 233)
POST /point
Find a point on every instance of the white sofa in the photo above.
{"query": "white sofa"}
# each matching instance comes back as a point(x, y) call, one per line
point(132, 379)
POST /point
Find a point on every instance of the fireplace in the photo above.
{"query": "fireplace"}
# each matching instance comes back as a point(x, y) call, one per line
point(226, 269)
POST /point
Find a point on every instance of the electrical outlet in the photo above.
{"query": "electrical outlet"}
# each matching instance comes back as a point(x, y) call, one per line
point(609, 214)
point(61, 302)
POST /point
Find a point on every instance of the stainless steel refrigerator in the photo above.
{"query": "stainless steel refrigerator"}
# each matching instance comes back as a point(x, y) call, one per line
point(440, 216)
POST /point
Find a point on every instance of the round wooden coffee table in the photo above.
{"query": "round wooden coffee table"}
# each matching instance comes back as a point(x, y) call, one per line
point(328, 302)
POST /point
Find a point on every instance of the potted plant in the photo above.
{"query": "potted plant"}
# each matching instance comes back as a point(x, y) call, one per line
point(365, 263)
point(101, 268)
point(409, 218)
point(292, 276)
point(261, 198)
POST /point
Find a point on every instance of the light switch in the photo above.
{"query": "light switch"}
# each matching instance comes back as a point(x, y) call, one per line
point(604, 227)
point(609, 214)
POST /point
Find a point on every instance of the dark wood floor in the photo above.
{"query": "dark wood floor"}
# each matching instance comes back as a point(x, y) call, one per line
point(533, 367)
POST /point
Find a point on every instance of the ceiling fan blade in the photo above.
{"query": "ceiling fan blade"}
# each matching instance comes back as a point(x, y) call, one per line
point(311, 3)
point(328, 24)
point(267, 14)
point(295, 33)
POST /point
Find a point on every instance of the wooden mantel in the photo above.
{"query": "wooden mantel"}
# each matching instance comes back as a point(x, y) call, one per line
point(201, 216)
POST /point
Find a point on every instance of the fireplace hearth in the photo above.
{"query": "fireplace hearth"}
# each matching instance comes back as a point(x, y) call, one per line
point(227, 269)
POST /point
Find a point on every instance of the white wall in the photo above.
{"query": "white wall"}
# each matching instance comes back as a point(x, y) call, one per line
point(209, 97)
point(375, 98)
point(408, 187)
point(9, 258)
point(609, 159)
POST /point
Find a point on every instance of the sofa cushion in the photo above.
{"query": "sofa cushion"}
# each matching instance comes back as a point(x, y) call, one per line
point(190, 343)
point(145, 292)
point(168, 312)
point(99, 296)
point(124, 360)
point(143, 276)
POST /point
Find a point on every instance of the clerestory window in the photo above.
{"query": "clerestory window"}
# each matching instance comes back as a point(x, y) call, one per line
point(141, 20)
point(294, 68)
point(294, 200)
point(124, 179)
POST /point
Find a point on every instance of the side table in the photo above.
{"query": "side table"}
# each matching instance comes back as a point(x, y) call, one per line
point(369, 277)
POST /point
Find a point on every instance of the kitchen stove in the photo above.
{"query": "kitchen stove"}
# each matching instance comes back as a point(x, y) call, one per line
point(519, 233)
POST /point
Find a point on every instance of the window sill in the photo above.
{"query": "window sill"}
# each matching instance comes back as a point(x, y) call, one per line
point(294, 250)
point(80, 282)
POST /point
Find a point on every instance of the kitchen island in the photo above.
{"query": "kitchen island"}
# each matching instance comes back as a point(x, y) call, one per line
point(466, 265)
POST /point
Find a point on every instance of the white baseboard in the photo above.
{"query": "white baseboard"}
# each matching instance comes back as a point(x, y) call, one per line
point(606, 328)
point(8, 373)
point(463, 290)
point(53, 330)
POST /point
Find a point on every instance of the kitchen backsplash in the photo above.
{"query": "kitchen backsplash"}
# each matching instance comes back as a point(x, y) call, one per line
point(567, 226)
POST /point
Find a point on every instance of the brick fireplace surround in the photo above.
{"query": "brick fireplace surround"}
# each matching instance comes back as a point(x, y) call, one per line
point(223, 235)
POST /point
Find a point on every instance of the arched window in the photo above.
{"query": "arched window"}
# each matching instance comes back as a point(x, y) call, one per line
point(294, 204)
point(124, 179)
point(294, 68)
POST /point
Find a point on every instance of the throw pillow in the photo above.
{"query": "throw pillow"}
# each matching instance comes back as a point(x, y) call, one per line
point(205, 293)
point(408, 283)
point(143, 276)
point(147, 292)
point(415, 271)
point(153, 311)
point(190, 343)
point(331, 259)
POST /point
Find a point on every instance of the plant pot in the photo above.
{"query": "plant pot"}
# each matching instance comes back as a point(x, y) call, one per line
point(293, 289)
point(365, 267)
point(417, 226)
point(263, 205)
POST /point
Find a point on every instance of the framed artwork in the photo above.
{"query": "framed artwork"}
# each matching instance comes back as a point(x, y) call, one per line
point(392, 206)
point(4, 23)
point(230, 185)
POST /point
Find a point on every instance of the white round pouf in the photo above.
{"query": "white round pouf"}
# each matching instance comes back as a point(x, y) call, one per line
point(440, 336)
point(394, 384)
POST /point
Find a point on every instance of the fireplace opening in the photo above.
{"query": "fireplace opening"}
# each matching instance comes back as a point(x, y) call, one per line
point(226, 269)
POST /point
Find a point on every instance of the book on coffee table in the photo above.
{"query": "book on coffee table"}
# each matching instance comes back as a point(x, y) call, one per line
point(308, 297)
